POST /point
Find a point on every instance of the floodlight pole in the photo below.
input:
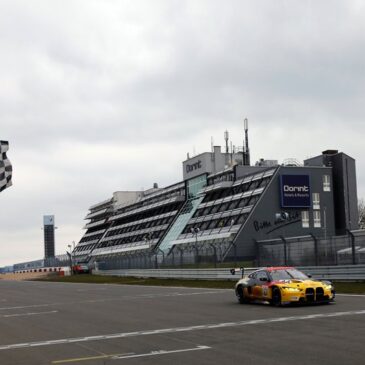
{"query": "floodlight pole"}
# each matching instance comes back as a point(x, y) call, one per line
point(70, 255)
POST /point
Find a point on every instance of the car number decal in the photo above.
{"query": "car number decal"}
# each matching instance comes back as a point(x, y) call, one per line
point(265, 290)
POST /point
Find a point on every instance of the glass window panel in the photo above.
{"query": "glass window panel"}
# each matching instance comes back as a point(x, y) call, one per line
point(223, 207)
point(215, 209)
point(317, 218)
point(326, 183)
point(305, 219)
point(212, 224)
point(316, 200)
point(204, 225)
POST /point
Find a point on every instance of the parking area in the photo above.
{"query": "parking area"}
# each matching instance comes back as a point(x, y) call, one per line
point(58, 323)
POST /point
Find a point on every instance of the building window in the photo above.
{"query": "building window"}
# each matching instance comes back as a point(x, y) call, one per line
point(326, 183)
point(316, 201)
point(317, 219)
point(305, 219)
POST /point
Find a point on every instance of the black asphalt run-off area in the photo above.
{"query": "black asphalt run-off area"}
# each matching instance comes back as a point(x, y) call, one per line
point(89, 324)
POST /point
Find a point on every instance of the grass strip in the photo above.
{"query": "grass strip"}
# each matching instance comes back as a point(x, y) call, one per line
point(341, 287)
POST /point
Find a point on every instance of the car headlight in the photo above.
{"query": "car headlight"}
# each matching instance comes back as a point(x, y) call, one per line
point(292, 290)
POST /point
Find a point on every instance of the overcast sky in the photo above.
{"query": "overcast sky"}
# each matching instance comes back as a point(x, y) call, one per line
point(99, 96)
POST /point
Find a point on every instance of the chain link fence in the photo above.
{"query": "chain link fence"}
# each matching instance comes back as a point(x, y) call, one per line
point(183, 256)
point(295, 251)
point(313, 251)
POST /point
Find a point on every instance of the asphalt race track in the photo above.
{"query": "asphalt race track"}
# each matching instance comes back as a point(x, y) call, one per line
point(87, 324)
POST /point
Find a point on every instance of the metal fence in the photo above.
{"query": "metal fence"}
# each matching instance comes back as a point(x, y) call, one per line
point(296, 251)
point(206, 255)
point(193, 274)
point(340, 272)
point(310, 250)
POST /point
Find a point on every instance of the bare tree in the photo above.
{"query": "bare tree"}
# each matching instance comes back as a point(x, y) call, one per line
point(361, 207)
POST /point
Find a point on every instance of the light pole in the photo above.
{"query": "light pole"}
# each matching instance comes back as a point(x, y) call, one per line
point(163, 254)
point(147, 239)
point(70, 256)
point(195, 231)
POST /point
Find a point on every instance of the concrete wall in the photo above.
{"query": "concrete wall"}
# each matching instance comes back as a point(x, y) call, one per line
point(344, 187)
point(345, 191)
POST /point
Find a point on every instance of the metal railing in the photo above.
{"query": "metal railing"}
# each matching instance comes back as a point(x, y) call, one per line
point(341, 272)
point(284, 251)
point(310, 250)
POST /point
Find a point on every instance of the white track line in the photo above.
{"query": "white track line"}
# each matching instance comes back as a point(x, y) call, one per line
point(26, 314)
point(178, 329)
point(141, 296)
point(350, 295)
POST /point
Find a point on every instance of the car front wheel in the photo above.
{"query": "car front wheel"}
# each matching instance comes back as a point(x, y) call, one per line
point(241, 296)
point(276, 297)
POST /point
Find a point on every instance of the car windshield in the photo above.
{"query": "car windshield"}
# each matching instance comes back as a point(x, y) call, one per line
point(287, 274)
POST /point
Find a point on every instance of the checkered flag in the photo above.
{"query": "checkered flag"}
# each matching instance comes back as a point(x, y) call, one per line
point(6, 170)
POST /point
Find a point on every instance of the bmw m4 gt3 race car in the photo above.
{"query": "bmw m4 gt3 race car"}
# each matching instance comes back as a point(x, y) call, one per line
point(283, 285)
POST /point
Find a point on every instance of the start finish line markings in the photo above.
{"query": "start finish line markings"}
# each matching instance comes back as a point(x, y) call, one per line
point(179, 329)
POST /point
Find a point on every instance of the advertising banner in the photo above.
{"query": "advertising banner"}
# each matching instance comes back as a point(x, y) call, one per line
point(295, 191)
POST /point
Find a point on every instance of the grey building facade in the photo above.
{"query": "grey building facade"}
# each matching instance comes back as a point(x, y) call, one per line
point(270, 219)
point(344, 187)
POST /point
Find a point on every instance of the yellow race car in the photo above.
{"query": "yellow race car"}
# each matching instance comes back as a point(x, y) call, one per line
point(283, 285)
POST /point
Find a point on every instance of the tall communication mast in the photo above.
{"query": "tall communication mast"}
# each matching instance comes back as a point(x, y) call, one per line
point(226, 137)
point(248, 162)
point(246, 149)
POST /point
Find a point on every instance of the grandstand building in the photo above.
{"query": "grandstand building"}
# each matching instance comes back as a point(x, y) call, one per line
point(225, 205)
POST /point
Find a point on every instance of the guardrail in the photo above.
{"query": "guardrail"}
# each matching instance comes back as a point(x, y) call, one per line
point(194, 274)
point(343, 272)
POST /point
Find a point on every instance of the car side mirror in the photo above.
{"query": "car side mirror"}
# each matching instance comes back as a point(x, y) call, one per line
point(264, 279)
point(309, 275)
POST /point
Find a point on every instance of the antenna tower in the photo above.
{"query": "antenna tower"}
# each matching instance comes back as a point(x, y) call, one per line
point(226, 137)
point(246, 149)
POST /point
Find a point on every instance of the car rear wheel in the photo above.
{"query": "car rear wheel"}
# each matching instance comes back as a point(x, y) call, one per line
point(241, 296)
point(276, 297)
